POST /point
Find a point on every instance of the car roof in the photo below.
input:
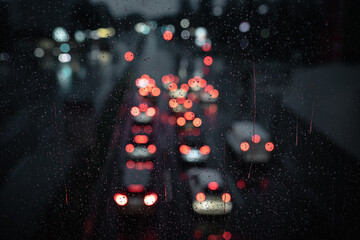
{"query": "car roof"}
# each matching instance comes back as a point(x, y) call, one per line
point(244, 129)
point(134, 176)
point(206, 175)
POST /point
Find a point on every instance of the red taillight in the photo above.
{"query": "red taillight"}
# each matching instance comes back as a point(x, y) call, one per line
point(244, 146)
point(141, 139)
point(205, 150)
point(139, 165)
point(181, 121)
point(135, 188)
point(189, 116)
point(227, 235)
point(208, 60)
point(149, 165)
point(129, 56)
point(226, 197)
point(129, 148)
point(173, 103)
point(120, 199)
point(151, 148)
point(184, 87)
point(135, 129)
point(208, 88)
point(167, 35)
point(269, 146)
point(156, 91)
point(150, 112)
point(148, 129)
point(143, 91)
point(143, 107)
point(214, 93)
point(185, 149)
point(256, 138)
point(213, 186)
point(172, 86)
point(200, 197)
point(150, 199)
point(188, 103)
point(135, 111)
point(130, 164)
point(197, 122)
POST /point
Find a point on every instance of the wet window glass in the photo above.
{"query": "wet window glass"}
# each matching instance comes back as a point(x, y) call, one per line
point(179, 119)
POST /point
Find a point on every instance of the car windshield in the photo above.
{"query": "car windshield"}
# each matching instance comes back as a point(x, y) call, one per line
point(256, 101)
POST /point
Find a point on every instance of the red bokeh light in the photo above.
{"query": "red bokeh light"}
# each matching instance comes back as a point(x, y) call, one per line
point(213, 186)
point(200, 197)
point(167, 35)
point(129, 56)
point(244, 146)
point(256, 138)
point(208, 60)
point(269, 146)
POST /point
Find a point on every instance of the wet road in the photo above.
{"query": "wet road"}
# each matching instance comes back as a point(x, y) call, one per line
point(63, 141)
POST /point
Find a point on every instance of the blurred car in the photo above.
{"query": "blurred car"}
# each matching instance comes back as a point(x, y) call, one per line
point(193, 150)
point(207, 192)
point(136, 194)
point(140, 147)
point(143, 114)
point(250, 147)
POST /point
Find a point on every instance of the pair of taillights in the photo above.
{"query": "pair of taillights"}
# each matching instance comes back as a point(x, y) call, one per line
point(225, 197)
point(149, 199)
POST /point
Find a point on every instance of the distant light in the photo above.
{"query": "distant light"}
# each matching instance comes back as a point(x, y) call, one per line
point(269, 146)
point(205, 150)
point(263, 9)
point(152, 25)
point(129, 56)
point(227, 235)
point(184, 87)
point(149, 165)
point(200, 197)
point(65, 48)
point(60, 34)
point(135, 111)
point(173, 103)
point(79, 36)
point(184, 149)
point(244, 43)
point(130, 164)
point(214, 93)
point(184, 23)
point(265, 33)
point(129, 148)
point(39, 52)
point(213, 186)
point(135, 188)
point(188, 103)
point(197, 122)
point(244, 27)
point(150, 112)
point(121, 199)
point(172, 86)
point(141, 139)
point(181, 121)
point(217, 11)
point(151, 148)
point(106, 32)
point(156, 91)
point(206, 47)
point(150, 199)
point(256, 138)
point(208, 60)
point(170, 28)
point(185, 34)
point(64, 57)
point(200, 32)
point(226, 197)
point(240, 184)
point(244, 146)
point(167, 35)
point(148, 129)
point(189, 116)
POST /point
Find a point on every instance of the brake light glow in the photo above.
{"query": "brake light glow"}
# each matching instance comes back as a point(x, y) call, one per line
point(213, 186)
point(244, 146)
point(121, 199)
point(181, 121)
point(129, 148)
point(141, 139)
point(151, 148)
point(135, 188)
point(135, 111)
point(197, 122)
point(226, 197)
point(200, 197)
point(130, 164)
point(256, 138)
point(150, 199)
point(269, 146)
point(205, 150)
point(150, 112)
point(184, 149)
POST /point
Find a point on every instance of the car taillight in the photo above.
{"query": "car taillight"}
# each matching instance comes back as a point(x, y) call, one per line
point(151, 148)
point(129, 148)
point(256, 138)
point(135, 111)
point(135, 188)
point(150, 199)
point(121, 199)
point(181, 121)
point(213, 186)
point(205, 150)
point(200, 197)
point(184, 149)
point(150, 112)
point(197, 122)
point(141, 139)
point(244, 146)
point(269, 146)
point(226, 197)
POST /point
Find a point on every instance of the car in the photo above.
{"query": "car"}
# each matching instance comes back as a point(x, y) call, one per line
point(140, 147)
point(193, 150)
point(250, 147)
point(135, 193)
point(207, 190)
point(143, 114)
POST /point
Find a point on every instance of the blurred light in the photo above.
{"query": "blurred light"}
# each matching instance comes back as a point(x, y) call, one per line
point(244, 146)
point(106, 32)
point(263, 9)
point(184, 149)
point(226, 197)
point(64, 77)
point(208, 60)
point(155, 91)
point(244, 43)
point(135, 111)
point(206, 47)
point(185, 34)
point(79, 36)
point(244, 27)
point(139, 166)
point(205, 150)
point(217, 11)
point(181, 121)
point(256, 138)
point(39, 52)
point(167, 35)
point(265, 33)
point(184, 23)
point(200, 32)
point(121, 199)
point(135, 188)
point(143, 107)
point(172, 86)
point(150, 199)
point(197, 122)
point(200, 197)
point(172, 120)
point(152, 25)
point(184, 87)
point(240, 184)
point(129, 56)
point(130, 164)
point(129, 148)
point(208, 88)
point(65, 48)
point(149, 165)
point(64, 57)
point(269, 146)
point(59, 34)
point(173, 103)
point(141, 139)
point(170, 28)
point(213, 186)
point(135, 129)
point(150, 112)
point(188, 104)
point(189, 116)
point(151, 148)
point(148, 129)
point(227, 235)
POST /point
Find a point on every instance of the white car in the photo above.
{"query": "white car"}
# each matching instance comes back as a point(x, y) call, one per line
point(208, 193)
point(248, 146)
